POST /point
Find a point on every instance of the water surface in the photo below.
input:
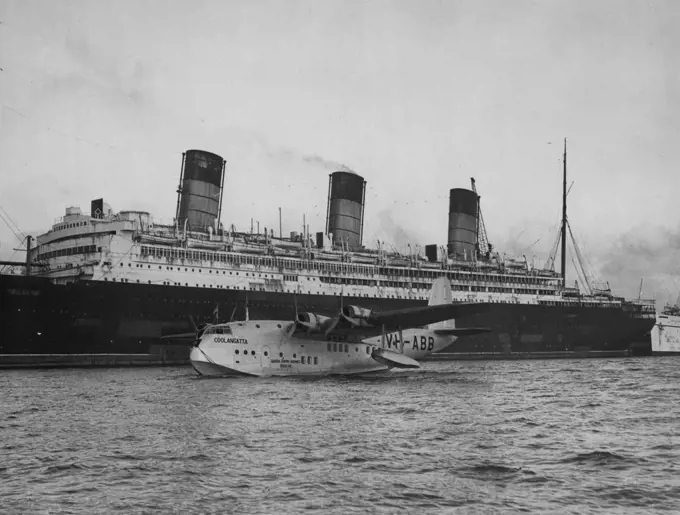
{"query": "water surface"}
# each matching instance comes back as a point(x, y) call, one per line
point(563, 436)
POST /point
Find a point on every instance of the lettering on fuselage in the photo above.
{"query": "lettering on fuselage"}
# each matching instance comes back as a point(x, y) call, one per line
point(222, 339)
point(419, 342)
point(285, 363)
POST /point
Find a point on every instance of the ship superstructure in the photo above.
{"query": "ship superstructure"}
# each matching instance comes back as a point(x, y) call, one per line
point(105, 281)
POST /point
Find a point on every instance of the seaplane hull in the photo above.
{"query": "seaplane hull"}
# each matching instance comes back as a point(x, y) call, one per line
point(264, 348)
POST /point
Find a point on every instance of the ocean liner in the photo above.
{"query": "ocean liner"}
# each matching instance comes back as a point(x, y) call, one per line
point(108, 282)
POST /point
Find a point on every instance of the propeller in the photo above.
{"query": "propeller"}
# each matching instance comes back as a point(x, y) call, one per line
point(293, 326)
point(193, 336)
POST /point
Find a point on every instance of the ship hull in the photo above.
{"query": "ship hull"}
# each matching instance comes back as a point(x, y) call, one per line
point(94, 317)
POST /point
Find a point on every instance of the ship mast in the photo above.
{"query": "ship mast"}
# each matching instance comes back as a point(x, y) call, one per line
point(564, 217)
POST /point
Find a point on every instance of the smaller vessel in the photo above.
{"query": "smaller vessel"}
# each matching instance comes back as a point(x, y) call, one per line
point(356, 341)
point(666, 331)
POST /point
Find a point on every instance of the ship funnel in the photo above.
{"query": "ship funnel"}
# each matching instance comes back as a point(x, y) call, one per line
point(463, 213)
point(199, 196)
point(345, 213)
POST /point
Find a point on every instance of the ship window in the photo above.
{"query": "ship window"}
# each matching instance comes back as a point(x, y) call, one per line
point(316, 360)
point(335, 347)
point(294, 355)
point(280, 354)
point(266, 353)
point(252, 352)
point(346, 348)
point(368, 350)
point(302, 360)
point(330, 347)
point(236, 351)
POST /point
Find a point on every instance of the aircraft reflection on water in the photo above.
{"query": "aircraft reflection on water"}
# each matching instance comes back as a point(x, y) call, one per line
point(356, 341)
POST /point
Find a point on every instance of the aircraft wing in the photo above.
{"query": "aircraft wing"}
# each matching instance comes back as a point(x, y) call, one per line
point(353, 318)
point(425, 315)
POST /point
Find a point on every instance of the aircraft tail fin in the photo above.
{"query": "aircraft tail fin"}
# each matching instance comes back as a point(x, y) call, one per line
point(441, 294)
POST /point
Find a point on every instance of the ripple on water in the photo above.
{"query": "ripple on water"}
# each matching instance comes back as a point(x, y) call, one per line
point(570, 437)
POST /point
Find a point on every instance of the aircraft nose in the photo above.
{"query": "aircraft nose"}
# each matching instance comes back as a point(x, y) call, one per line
point(195, 354)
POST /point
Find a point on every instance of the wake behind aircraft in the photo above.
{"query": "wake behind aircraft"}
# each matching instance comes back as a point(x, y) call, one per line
point(356, 341)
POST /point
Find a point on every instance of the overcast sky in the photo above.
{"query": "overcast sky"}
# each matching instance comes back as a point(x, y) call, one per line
point(101, 99)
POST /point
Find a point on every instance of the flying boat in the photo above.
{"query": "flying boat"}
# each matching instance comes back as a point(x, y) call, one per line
point(355, 341)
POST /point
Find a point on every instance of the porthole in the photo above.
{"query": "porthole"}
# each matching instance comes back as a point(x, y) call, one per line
point(252, 352)
point(236, 351)
point(266, 353)
point(257, 325)
point(294, 356)
point(280, 354)
point(278, 325)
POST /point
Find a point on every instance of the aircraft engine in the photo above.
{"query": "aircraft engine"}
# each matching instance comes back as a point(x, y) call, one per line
point(357, 315)
point(312, 321)
point(356, 312)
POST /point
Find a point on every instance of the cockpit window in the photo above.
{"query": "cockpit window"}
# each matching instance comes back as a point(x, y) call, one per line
point(218, 330)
